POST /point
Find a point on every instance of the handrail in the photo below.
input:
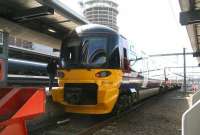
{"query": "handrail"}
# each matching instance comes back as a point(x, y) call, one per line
point(196, 97)
point(191, 119)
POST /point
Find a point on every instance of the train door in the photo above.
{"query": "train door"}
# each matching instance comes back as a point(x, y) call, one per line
point(124, 52)
point(123, 47)
point(3, 57)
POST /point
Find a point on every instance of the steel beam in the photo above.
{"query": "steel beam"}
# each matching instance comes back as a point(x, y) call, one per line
point(61, 8)
point(184, 69)
point(170, 54)
point(33, 13)
point(190, 17)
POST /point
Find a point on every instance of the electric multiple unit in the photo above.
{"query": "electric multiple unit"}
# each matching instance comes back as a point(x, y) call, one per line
point(24, 67)
point(100, 72)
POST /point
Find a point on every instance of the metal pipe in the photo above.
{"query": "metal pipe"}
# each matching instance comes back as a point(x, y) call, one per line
point(170, 54)
point(184, 70)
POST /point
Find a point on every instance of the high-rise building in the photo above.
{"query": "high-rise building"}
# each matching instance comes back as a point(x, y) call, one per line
point(101, 12)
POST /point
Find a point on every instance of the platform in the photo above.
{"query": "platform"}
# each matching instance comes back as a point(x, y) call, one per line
point(161, 116)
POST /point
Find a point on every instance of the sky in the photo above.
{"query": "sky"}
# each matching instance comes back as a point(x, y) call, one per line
point(153, 27)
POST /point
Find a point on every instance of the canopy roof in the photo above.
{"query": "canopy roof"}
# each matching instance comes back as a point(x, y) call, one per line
point(49, 17)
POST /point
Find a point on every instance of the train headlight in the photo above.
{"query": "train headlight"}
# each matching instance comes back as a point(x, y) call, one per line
point(103, 74)
point(60, 74)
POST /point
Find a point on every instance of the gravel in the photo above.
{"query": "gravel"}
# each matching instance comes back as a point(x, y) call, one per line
point(160, 116)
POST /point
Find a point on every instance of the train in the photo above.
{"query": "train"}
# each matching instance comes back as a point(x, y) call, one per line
point(27, 73)
point(24, 67)
point(100, 72)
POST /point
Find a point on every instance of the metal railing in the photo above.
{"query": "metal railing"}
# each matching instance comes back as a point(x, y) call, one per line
point(190, 118)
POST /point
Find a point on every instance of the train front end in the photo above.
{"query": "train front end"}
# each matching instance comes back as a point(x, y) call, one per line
point(89, 73)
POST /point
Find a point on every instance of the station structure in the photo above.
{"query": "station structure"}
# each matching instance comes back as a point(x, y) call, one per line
point(43, 22)
point(190, 17)
point(47, 23)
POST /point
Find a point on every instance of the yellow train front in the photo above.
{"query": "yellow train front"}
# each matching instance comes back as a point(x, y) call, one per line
point(94, 71)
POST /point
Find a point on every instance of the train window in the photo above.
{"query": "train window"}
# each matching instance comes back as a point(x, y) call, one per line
point(1, 38)
point(94, 50)
point(125, 53)
point(88, 51)
point(114, 60)
point(126, 61)
point(69, 53)
point(1, 42)
point(123, 41)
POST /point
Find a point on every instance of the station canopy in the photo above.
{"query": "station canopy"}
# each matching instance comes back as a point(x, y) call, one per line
point(190, 16)
point(45, 21)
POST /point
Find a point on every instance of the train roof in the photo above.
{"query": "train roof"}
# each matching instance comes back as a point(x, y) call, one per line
point(97, 28)
point(94, 28)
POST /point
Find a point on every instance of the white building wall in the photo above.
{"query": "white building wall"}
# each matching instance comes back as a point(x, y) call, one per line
point(42, 49)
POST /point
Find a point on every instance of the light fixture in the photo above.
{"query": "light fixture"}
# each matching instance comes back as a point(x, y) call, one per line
point(51, 30)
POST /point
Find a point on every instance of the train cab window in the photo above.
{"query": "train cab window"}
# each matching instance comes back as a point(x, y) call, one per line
point(94, 50)
point(69, 53)
point(114, 59)
point(125, 53)
point(126, 61)
point(84, 52)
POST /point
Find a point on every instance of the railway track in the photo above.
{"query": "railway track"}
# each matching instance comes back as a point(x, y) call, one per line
point(86, 124)
point(91, 130)
point(104, 123)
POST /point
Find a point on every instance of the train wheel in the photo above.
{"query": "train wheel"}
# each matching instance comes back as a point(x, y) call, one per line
point(121, 105)
point(161, 89)
point(130, 101)
point(133, 98)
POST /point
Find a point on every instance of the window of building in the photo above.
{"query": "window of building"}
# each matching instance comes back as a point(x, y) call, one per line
point(1, 38)
point(1, 42)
